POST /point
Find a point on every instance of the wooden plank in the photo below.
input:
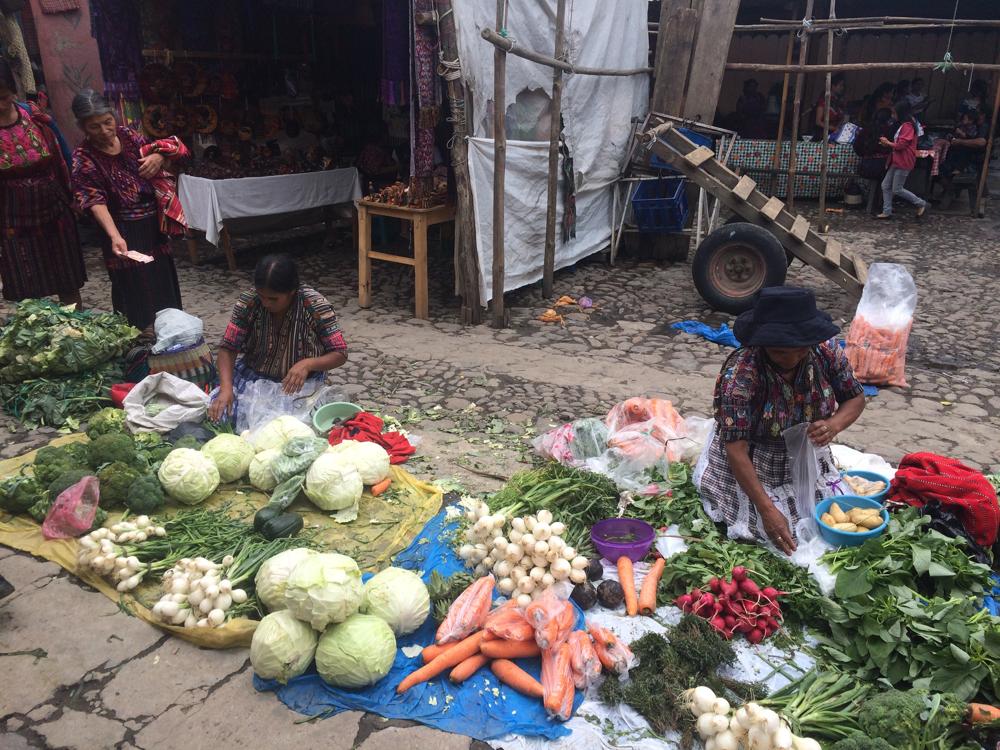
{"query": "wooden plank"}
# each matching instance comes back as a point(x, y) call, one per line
point(420, 267)
point(744, 187)
point(390, 258)
point(699, 156)
point(708, 63)
point(833, 252)
point(673, 58)
point(364, 257)
point(800, 228)
point(772, 208)
point(860, 270)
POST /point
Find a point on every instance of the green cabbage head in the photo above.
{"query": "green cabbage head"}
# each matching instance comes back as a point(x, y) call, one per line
point(188, 476)
point(232, 456)
point(272, 577)
point(356, 653)
point(399, 597)
point(371, 460)
point(324, 589)
point(279, 431)
point(261, 475)
point(332, 483)
point(282, 647)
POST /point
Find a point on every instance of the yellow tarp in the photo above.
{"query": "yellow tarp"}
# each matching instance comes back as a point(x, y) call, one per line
point(384, 526)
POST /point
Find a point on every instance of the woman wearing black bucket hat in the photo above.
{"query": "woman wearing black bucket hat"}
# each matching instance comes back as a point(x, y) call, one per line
point(784, 374)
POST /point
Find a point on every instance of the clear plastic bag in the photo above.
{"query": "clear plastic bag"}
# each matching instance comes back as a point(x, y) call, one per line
point(175, 329)
point(468, 612)
point(552, 618)
point(296, 457)
point(558, 686)
point(614, 655)
point(264, 400)
point(805, 470)
point(880, 333)
point(508, 623)
point(73, 512)
point(583, 660)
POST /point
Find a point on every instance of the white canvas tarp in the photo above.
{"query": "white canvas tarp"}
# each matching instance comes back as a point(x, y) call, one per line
point(597, 113)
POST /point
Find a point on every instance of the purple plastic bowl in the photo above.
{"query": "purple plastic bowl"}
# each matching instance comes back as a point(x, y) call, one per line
point(606, 536)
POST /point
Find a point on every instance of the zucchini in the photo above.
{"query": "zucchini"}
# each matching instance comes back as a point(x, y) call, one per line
point(264, 515)
point(282, 525)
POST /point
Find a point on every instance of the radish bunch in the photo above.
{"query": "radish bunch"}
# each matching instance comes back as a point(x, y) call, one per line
point(531, 557)
point(103, 550)
point(736, 606)
point(751, 726)
point(198, 594)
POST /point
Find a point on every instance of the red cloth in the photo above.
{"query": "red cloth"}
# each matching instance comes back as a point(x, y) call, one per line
point(118, 393)
point(904, 148)
point(925, 476)
point(367, 428)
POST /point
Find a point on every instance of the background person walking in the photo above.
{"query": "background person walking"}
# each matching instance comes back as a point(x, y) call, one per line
point(901, 161)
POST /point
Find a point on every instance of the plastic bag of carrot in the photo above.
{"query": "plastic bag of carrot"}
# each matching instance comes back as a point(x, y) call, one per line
point(879, 335)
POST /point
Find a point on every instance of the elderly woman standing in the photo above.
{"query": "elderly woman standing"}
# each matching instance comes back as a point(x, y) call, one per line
point(118, 176)
point(39, 248)
point(784, 375)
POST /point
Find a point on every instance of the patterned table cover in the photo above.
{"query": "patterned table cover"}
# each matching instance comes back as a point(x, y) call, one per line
point(755, 157)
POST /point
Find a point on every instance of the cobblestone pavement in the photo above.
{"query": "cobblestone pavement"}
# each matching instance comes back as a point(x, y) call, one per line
point(78, 674)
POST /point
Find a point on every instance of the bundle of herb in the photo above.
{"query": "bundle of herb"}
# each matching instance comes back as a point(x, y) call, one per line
point(692, 654)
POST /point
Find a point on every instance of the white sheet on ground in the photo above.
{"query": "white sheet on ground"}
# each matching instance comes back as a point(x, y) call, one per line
point(596, 110)
point(849, 459)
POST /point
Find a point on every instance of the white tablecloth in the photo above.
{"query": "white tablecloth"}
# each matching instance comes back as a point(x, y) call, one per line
point(207, 203)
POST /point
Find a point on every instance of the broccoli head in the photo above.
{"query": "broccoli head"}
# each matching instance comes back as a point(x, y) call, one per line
point(146, 440)
point(66, 480)
point(112, 448)
point(116, 478)
point(19, 493)
point(189, 441)
point(858, 741)
point(145, 496)
point(106, 422)
point(52, 461)
point(894, 716)
point(39, 510)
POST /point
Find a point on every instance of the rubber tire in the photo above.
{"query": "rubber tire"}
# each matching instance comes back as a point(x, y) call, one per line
point(737, 219)
point(763, 243)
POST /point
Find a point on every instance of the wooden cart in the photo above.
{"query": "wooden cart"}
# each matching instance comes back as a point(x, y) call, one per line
point(736, 260)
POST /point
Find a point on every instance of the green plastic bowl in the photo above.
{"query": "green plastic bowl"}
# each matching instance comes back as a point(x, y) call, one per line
point(327, 415)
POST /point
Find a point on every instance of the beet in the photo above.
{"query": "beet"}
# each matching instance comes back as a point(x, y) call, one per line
point(610, 594)
point(585, 595)
point(595, 570)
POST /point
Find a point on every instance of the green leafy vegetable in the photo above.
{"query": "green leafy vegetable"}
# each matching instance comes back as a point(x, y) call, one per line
point(116, 480)
point(443, 591)
point(66, 480)
point(106, 421)
point(51, 461)
point(822, 706)
point(111, 448)
point(19, 493)
point(145, 496)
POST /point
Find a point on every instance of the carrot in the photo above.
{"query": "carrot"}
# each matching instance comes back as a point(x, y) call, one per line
point(557, 682)
point(647, 594)
point(467, 668)
point(509, 649)
point(450, 658)
point(983, 713)
point(468, 612)
point(490, 636)
point(514, 677)
point(626, 578)
point(378, 489)
point(430, 653)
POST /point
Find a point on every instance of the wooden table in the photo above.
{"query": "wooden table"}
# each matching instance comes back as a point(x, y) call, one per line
point(421, 219)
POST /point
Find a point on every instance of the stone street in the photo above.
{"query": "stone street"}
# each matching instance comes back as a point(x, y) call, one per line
point(80, 674)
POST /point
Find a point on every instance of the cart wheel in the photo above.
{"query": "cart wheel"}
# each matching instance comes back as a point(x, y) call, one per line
point(735, 262)
point(737, 219)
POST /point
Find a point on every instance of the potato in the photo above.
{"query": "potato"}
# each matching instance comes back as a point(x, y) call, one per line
point(850, 527)
point(827, 519)
point(838, 515)
point(857, 515)
point(871, 522)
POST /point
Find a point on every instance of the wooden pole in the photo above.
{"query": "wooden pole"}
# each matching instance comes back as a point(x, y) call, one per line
point(984, 173)
point(793, 155)
point(846, 26)
point(825, 153)
point(555, 128)
point(779, 145)
point(850, 67)
point(945, 22)
point(508, 46)
point(499, 165)
point(467, 274)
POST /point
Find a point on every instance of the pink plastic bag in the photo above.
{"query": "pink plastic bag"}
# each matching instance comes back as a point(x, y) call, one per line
point(73, 512)
point(646, 430)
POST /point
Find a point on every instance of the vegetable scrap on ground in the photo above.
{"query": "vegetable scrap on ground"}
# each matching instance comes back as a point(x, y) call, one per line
point(579, 589)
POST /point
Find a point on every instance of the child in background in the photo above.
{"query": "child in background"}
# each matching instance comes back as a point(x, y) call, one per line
point(901, 161)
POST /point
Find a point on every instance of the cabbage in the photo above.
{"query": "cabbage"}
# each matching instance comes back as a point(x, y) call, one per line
point(279, 431)
point(273, 575)
point(399, 597)
point(282, 647)
point(261, 475)
point(356, 653)
point(324, 588)
point(333, 484)
point(232, 456)
point(188, 476)
point(371, 460)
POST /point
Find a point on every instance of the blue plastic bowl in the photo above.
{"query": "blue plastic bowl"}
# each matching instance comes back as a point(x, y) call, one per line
point(622, 537)
point(872, 477)
point(846, 538)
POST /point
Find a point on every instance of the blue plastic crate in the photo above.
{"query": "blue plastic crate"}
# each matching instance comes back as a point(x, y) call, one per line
point(697, 138)
point(660, 205)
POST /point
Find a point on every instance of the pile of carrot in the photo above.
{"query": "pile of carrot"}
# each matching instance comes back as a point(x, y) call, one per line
point(570, 659)
point(643, 603)
point(878, 355)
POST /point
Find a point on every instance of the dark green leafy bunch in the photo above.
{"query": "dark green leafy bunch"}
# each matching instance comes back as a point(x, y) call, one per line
point(691, 654)
point(51, 461)
point(111, 448)
point(19, 493)
point(61, 401)
point(116, 479)
point(858, 741)
point(680, 504)
point(443, 591)
point(106, 421)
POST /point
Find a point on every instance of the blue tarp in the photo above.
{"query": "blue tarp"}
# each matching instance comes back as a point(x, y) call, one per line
point(480, 707)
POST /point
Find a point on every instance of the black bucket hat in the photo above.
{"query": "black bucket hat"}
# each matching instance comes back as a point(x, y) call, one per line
point(784, 316)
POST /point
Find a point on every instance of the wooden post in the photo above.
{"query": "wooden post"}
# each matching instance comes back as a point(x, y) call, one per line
point(708, 64)
point(989, 149)
point(793, 156)
point(364, 259)
point(779, 145)
point(677, 31)
point(549, 262)
point(467, 275)
point(825, 159)
point(499, 165)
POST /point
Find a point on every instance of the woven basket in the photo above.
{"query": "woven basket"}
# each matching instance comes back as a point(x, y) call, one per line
point(193, 364)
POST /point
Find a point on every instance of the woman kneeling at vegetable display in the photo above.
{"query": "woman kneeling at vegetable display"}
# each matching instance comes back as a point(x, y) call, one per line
point(783, 375)
point(287, 332)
